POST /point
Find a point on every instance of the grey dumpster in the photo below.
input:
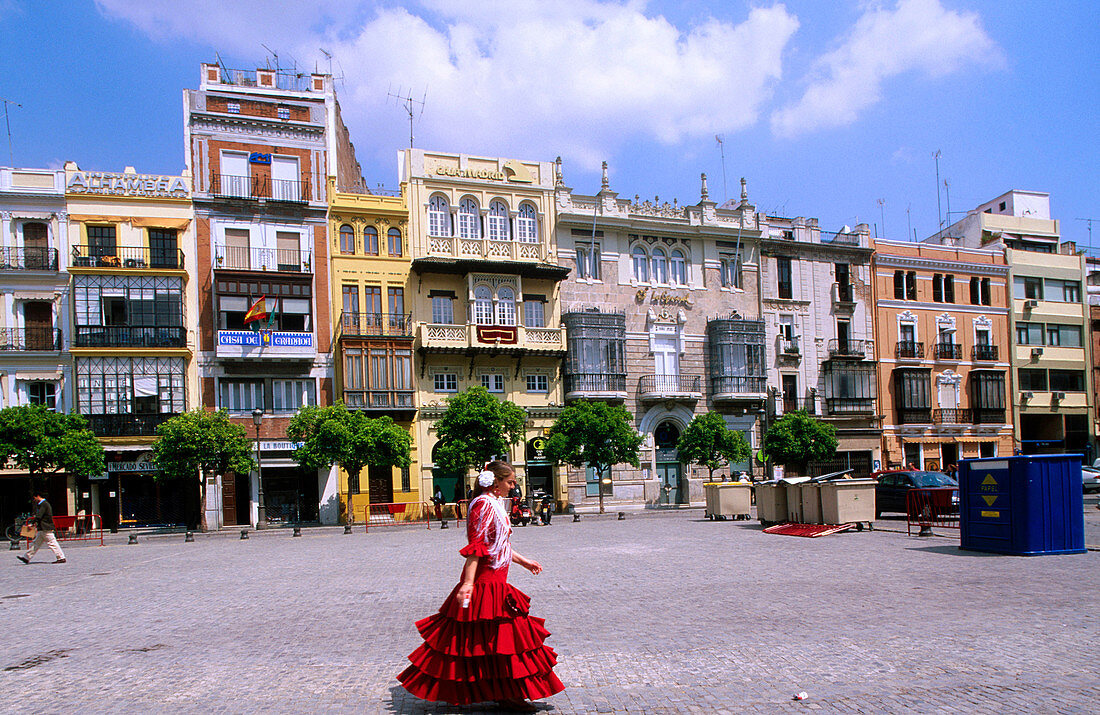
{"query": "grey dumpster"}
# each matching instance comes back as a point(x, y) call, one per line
point(771, 503)
point(846, 501)
point(726, 499)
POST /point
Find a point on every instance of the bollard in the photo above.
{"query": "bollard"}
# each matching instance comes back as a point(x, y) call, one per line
point(14, 546)
point(443, 524)
point(576, 517)
point(244, 534)
point(347, 528)
point(188, 538)
point(132, 541)
point(297, 531)
point(925, 530)
point(622, 516)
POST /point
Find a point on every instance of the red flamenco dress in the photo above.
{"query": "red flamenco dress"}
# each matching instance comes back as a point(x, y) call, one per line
point(491, 650)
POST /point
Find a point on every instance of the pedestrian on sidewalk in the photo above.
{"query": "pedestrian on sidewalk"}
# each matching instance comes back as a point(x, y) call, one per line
point(43, 520)
point(459, 496)
point(483, 645)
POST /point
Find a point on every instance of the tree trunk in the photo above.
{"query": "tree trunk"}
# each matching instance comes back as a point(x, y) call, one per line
point(202, 502)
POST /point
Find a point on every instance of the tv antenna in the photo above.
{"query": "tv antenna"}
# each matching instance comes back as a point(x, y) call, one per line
point(11, 157)
point(1088, 221)
point(722, 151)
point(328, 56)
point(273, 54)
point(406, 101)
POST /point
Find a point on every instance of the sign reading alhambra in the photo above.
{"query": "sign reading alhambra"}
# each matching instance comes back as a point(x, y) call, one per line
point(112, 184)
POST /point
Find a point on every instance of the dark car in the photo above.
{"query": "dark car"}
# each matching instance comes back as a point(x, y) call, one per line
point(893, 488)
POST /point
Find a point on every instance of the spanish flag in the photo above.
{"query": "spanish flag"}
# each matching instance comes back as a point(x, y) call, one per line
point(258, 311)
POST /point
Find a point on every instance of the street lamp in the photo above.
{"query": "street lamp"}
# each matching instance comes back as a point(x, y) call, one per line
point(257, 420)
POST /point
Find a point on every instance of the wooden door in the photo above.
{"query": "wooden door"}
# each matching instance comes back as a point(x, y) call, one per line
point(380, 484)
point(38, 319)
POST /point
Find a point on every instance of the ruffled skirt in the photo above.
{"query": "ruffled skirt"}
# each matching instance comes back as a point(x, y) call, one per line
point(492, 650)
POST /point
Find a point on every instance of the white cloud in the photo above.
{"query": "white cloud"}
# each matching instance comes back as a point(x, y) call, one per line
point(914, 36)
point(575, 77)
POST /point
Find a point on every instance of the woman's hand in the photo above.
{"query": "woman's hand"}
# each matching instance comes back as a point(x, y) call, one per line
point(533, 566)
point(465, 591)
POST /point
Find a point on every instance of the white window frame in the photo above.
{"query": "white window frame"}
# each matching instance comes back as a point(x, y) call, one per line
point(445, 381)
point(498, 221)
point(302, 393)
point(659, 266)
point(678, 267)
point(469, 218)
point(439, 216)
point(639, 260)
point(527, 224)
point(492, 381)
point(505, 306)
point(537, 383)
point(438, 301)
point(483, 305)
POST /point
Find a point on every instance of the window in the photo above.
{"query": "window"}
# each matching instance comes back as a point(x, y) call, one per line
point(660, 266)
point(506, 306)
point(42, 393)
point(981, 336)
point(538, 383)
point(483, 305)
point(1029, 333)
point(849, 387)
point(679, 268)
point(347, 240)
point(393, 238)
point(1068, 336)
point(493, 383)
point(446, 382)
point(640, 260)
point(1067, 380)
point(527, 224)
point(975, 292)
point(948, 289)
point(396, 304)
point(351, 305)
point(370, 241)
point(439, 217)
point(1025, 287)
point(130, 388)
point(233, 107)
point(786, 326)
point(899, 285)
point(469, 219)
point(292, 395)
point(730, 267)
point(372, 300)
point(498, 221)
point(784, 271)
point(596, 483)
point(1063, 291)
point(1033, 380)
point(937, 288)
point(133, 303)
point(534, 312)
point(443, 309)
point(406, 479)
point(283, 112)
point(907, 333)
point(241, 395)
point(985, 293)
point(101, 241)
point(911, 285)
point(912, 389)
point(588, 260)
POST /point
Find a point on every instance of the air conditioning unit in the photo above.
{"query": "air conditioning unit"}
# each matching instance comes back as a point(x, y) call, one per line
point(1036, 352)
point(1026, 395)
point(1057, 395)
point(1030, 303)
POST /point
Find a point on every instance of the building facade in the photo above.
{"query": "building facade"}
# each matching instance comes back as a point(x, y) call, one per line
point(262, 146)
point(131, 239)
point(662, 314)
point(484, 294)
point(945, 360)
point(34, 329)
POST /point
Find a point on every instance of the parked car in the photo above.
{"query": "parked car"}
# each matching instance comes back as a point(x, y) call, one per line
point(1090, 479)
point(893, 487)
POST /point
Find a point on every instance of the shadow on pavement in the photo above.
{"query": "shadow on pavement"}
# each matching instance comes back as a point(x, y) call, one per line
point(952, 550)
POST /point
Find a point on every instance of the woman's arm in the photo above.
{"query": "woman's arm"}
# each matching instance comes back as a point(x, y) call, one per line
point(466, 585)
point(533, 566)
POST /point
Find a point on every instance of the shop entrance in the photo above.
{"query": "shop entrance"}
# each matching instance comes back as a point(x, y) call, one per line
point(450, 483)
point(290, 495)
point(669, 472)
point(145, 501)
point(236, 500)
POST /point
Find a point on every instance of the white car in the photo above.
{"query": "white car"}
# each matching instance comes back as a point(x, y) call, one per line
point(1090, 479)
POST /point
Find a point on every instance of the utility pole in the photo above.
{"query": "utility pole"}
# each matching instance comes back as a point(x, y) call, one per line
point(406, 101)
point(947, 192)
point(7, 121)
point(1088, 223)
point(939, 211)
point(722, 150)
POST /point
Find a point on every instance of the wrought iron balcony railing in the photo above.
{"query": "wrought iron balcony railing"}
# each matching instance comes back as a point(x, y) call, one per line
point(794, 404)
point(909, 415)
point(848, 348)
point(733, 385)
point(129, 336)
point(947, 351)
point(132, 257)
point(841, 406)
point(669, 385)
point(378, 399)
point(594, 383)
point(985, 352)
point(229, 186)
point(127, 425)
point(909, 349)
point(840, 239)
point(844, 293)
point(988, 416)
point(789, 346)
point(266, 260)
point(29, 339)
point(28, 258)
point(376, 324)
point(951, 416)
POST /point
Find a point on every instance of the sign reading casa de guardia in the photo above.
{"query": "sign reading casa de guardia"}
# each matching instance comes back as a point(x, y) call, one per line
point(113, 184)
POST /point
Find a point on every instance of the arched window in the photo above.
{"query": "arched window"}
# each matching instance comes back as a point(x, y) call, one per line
point(370, 241)
point(679, 268)
point(660, 266)
point(483, 305)
point(527, 224)
point(506, 306)
point(394, 236)
point(469, 220)
point(439, 217)
point(498, 221)
point(641, 264)
point(347, 239)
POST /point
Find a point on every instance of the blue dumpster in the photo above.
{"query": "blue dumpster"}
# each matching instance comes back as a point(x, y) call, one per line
point(1024, 505)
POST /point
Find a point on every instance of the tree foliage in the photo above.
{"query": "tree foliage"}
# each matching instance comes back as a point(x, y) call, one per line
point(708, 442)
point(42, 441)
point(796, 438)
point(348, 438)
point(594, 434)
point(476, 428)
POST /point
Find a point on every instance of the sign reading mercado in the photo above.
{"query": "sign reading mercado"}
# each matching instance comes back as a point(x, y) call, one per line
point(113, 184)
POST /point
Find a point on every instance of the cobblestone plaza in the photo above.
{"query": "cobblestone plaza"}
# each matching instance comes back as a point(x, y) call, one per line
point(660, 613)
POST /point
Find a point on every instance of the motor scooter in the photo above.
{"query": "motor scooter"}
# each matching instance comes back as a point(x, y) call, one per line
point(521, 513)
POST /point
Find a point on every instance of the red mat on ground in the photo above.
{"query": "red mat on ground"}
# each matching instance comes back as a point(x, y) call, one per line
point(808, 530)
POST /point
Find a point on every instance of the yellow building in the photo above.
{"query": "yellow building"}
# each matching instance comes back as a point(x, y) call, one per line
point(374, 338)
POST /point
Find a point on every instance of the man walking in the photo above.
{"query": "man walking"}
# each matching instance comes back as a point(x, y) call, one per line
point(43, 519)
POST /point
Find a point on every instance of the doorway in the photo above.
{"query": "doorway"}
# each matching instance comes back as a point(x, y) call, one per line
point(38, 319)
point(666, 363)
point(790, 393)
point(380, 484)
point(669, 472)
point(163, 249)
point(949, 453)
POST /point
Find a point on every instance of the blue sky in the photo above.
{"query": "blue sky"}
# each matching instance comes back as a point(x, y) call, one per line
point(825, 108)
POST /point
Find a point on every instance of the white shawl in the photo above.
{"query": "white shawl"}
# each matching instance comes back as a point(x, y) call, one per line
point(494, 529)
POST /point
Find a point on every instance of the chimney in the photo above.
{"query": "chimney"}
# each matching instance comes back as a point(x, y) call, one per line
point(1068, 248)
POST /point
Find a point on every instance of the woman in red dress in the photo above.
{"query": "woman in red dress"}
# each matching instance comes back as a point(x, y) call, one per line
point(482, 645)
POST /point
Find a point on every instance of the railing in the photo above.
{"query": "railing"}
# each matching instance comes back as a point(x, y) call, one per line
point(376, 324)
point(840, 239)
point(378, 399)
point(733, 385)
point(127, 336)
point(914, 415)
point(788, 346)
point(32, 338)
point(839, 406)
point(587, 382)
point(230, 186)
point(127, 425)
point(985, 352)
point(794, 404)
point(138, 257)
point(28, 258)
point(947, 351)
point(443, 336)
point(660, 385)
point(844, 293)
point(988, 416)
point(281, 260)
point(951, 416)
point(847, 348)
point(909, 349)
point(932, 506)
point(456, 247)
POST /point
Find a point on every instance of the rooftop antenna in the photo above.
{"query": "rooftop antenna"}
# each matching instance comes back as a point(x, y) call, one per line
point(273, 54)
point(908, 219)
point(939, 212)
point(328, 56)
point(882, 214)
point(405, 100)
point(11, 157)
point(722, 150)
point(1088, 221)
point(947, 191)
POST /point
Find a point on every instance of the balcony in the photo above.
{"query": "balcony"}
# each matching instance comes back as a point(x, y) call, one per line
point(914, 415)
point(439, 337)
point(374, 325)
point(737, 387)
point(670, 387)
point(484, 248)
point(384, 400)
point(789, 347)
point(595, 385)
point(850, 406)
point(30, 339)
point(846, 349)
point(909, 350)
point(947, 351)
point(838, 238)
point(127, 425)
point(128, 336)
point(988, 415)
point(263, 260)
point(28, 259)
point(952, 416)
point(985, 352)
point(844, 294)
point(265, 344)
point(228, 186)
point(786, 405)
point(127, 257)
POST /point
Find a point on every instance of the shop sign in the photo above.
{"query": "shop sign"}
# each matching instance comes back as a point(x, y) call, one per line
point(663, 298)
point(264, 338)
point(536, 451)
point(105, 183)
point(131, 467)
point(513, 171)
point(259, 158)
point(280, 446)
point(667, 454)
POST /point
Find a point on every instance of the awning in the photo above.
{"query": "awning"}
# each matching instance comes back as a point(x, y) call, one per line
point(945, 438)
point(26, 375)
point(34, 295)
point(34, 215)
point(135, 221)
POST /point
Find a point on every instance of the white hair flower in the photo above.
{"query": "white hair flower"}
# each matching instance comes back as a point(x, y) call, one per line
point(486, 479)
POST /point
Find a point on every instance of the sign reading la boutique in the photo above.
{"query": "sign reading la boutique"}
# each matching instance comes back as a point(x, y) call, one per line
point(109, 184)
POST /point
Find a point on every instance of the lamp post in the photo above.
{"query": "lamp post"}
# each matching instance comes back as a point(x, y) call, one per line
point(257, 420)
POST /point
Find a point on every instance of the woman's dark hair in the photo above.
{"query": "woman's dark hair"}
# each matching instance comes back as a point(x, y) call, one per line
point(498, 467)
